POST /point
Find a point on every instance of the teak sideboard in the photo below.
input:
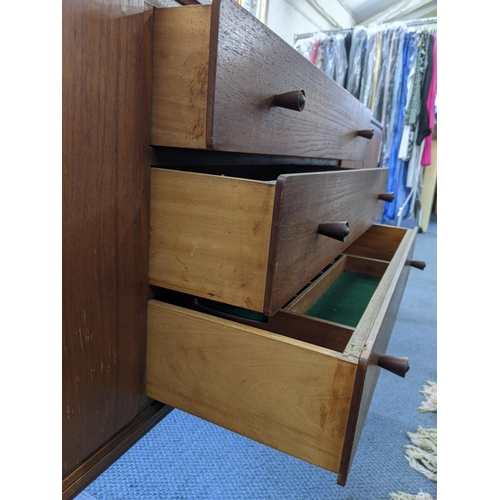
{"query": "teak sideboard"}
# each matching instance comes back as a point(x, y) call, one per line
point(219, 192)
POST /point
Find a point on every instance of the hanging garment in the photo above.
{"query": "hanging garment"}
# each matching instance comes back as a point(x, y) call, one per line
point(414, 105)
point(414, 164)
point(376, 70)
point(423, 121)
point(306, 47)
point(347, 43)
point(415, 99)
point(398, 167)
point(369, 63)
point(394, 96)
point(431, 98)
point(406, 138)
point(356, 60)
point(341, 63)
point(382, 102)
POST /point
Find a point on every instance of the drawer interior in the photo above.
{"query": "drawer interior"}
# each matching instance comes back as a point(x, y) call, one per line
point(298, 383)
point(346, 291)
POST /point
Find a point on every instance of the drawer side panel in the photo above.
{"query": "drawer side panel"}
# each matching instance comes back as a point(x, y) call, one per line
point(180, 73)
point(209, 236)
point(293, 398)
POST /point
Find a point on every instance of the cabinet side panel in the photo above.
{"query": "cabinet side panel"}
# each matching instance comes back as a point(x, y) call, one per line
point(105, 189)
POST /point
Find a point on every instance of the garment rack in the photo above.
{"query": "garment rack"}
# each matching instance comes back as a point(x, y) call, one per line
point(414, 194)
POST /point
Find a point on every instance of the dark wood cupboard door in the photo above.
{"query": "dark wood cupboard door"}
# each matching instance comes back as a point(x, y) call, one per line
point(105, 186)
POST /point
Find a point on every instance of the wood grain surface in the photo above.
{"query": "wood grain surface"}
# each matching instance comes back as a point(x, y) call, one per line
point(106, 67)
point(373, 149)
point(287, 394)
point(253, 65)
point(180, 73)
point(378, 242)
point(210, 236)
point(303, 201)
point(284, 322)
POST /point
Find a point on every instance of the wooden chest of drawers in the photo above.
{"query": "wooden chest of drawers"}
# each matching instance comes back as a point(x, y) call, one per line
point(275, 299)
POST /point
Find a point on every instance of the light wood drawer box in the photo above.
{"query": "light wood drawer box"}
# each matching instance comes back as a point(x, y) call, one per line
point(216, 72)
point(304, 388)
point(249, 243)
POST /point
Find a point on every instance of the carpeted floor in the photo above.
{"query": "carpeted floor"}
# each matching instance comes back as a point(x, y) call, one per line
point(186, 458)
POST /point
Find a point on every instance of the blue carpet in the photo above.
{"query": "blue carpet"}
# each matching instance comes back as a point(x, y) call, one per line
point(186, 458)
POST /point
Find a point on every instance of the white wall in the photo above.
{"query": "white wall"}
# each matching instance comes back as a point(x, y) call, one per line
point(286, 21)
point(293, 17)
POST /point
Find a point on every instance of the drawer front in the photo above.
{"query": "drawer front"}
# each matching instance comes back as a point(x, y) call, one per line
point(253, 244)
point(302, 390)
point(226, 89)
point(380, 328)
point(303, 202)
point(372, 155)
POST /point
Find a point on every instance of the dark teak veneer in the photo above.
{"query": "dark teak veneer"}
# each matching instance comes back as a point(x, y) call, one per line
point(106, 68)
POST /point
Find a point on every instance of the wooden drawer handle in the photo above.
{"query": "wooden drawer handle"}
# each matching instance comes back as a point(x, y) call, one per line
point(367, 134)
point(389, 197)
point(296, 100)
point(336, 230)
point(417, 264)
point(395, 364)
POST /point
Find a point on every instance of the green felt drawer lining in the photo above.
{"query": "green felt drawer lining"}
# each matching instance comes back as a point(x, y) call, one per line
point(346, 299)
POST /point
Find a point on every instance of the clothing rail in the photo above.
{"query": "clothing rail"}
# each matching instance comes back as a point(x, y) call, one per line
point(413, 22)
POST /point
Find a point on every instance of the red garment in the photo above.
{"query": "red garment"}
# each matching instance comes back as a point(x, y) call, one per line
point(427, 154)
point(314, 53)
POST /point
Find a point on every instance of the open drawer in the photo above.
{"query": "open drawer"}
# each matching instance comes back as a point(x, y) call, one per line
point(224, 81)
point(254, 244)
point(297, 383)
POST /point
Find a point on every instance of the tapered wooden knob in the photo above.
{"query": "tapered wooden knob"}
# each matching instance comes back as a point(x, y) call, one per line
point(395, 364)
point(367, 134)
point(296, 100)
point(336, 230)
point(386, 197)
point(417, 264)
